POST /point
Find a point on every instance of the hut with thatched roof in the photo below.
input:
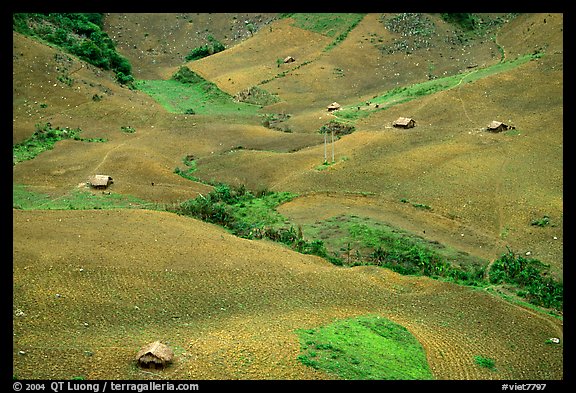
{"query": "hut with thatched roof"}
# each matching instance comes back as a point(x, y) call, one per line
point(334, 107)
point(154, 355)
point(498, 126)
point(404, 122)
point(100, 181)
point(289, 59)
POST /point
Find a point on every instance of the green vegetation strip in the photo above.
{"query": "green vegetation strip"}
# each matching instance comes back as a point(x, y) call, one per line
point(364, 348)
point(44, 138)
point(77, 199)
point(400, 95)
point(335, 25)
point(351, 241)
point(342, 240)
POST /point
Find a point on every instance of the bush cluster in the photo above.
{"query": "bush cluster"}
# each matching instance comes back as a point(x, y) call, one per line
point(465, 20)
point(406, 257)
point(531, 276)
point(213, 46)
point(220, 205)
point(186, 75)
point(337, 127)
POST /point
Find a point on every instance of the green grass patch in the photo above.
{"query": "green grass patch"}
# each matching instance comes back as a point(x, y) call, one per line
point(23, 198)
point(188, 93)
point(261, 211)
point(364, 348)
point(400, 95)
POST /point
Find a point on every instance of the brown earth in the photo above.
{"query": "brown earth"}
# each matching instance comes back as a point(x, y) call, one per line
point(229, 306)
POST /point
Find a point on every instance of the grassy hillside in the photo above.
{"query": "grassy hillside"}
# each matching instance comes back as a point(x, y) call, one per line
point(99, 273)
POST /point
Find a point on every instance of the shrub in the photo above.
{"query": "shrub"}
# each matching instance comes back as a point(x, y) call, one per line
point(465, 20)
point(337, 127)
point(213, 46)
point(530, 276)
point(186, 75)
point(44, 139)
point(544, 221)
point(124, 79)
point(485, 362)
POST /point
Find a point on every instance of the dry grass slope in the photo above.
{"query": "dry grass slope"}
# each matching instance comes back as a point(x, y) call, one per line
point(91, 287)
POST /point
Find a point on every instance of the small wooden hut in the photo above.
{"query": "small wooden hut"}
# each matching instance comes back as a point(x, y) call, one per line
point(100, 181)
point(289, 59)
point(404, 122)
point(334, 107)
point(498, 126)
point(154, 355)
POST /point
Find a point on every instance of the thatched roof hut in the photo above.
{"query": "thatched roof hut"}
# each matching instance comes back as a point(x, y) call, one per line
point(100, 181)
point(498, 126)
point(404, 122)
point(289, 59)
point(334, 106)
point(155, 355)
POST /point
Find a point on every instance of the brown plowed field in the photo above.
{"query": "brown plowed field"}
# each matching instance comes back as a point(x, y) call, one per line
point(91, 287)
point(99, 284)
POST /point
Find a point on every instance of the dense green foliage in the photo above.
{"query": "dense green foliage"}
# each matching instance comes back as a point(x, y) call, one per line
point(364, 348)
point(531, 276)
point(337, 128)
point(80, 34)
point(465, 20)
point(213, 46)
point(186, 75)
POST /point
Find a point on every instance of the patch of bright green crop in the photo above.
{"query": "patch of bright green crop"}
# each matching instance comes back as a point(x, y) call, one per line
point(261, 212)
point(202, 98)
point(362, 348)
